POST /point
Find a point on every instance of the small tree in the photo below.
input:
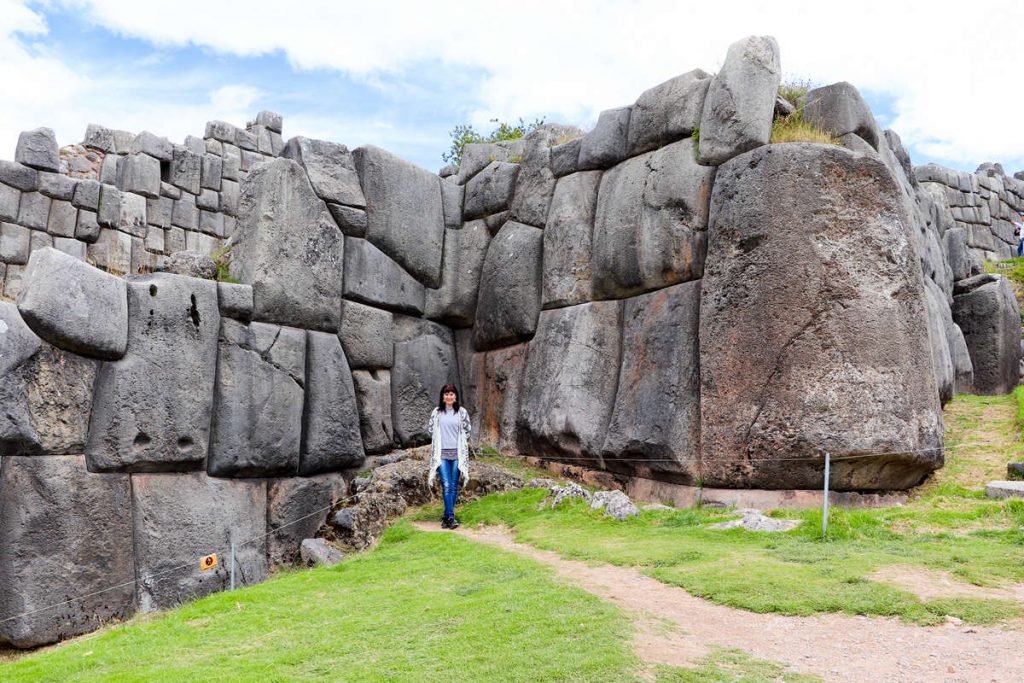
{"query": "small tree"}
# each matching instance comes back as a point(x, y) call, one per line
point(465, 134)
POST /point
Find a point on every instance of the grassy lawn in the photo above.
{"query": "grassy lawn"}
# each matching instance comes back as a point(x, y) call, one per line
point(948, 526)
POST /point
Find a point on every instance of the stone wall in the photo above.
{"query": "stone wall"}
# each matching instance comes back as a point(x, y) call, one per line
point(666, 296)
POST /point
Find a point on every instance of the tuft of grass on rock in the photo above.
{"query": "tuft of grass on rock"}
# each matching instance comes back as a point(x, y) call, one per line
point(794, 128)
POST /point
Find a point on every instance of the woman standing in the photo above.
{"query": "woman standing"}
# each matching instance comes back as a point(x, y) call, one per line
point(449, 429)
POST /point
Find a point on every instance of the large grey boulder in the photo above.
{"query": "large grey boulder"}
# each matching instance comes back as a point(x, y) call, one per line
point(373, 396)
point(179, 518)
point(490, 190)
point(45, 395)
point(942, 359)
point(404, 214)
point(958, 256)
point(535, 182)
point(569, 385)
point(425, 360)
point(740, 102)
point(319, 552)
point(296, 509)
point(373, 278)
point(151, 411)
point(649, 230)
point(608, 143)
point(331, 170)
point(567, 277)
point(65, 534)
point(476, 156)
point(656, 414)
point(366, 335)
point(74, 306)
point(510, 287)
point(668, 111)
point(990, 321)
point(839, 109)
point(454, 303)
point(38, 149)
point(287, 246)
point(814, 327)
point(258, 401)
point(330, 421)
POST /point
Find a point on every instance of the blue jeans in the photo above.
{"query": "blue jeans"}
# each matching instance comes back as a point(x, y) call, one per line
point(449, 471)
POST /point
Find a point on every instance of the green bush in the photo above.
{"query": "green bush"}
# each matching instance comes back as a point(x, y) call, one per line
point(465, 134)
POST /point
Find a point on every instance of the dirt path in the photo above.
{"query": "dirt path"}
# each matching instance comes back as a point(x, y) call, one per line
point(673, 627)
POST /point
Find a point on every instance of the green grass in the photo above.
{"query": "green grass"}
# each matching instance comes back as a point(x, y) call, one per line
point(418, 607)
point(731, 666)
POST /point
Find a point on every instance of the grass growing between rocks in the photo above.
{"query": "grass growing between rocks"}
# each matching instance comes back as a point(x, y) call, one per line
point(948, 527)
point(794, 128)
point(418, 607)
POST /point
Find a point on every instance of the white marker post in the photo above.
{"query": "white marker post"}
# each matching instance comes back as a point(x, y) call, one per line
point(824, 511)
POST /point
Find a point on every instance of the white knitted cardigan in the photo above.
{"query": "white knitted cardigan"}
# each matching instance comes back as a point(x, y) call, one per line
point(434, 427)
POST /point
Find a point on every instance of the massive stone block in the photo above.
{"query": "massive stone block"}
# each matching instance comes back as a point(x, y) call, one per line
point(568, 390)
point(649, 230)
point(373, 395)
point(535, 182)
point(38, 148)
point(64, 533)
point(813, 327)
point(490, 190)
point(330, 421)
point(258, 401)
point(510, 287)
point(151, 412)
point(366, 335)
point(425, 360)
point(465, 250)
point(373, 278)
point(656, 415)
point(179, 518)
point(840, 110)
point(45, 393)
point(990, 321)
point(668, 111)
point(404, 215)
point(942, 359)
point(74, 306)
point(567, 277)
point(608, 143)
point(497, 395)
point(331, 170)
point(740, 103)
point(296, 508)
point(287, 246)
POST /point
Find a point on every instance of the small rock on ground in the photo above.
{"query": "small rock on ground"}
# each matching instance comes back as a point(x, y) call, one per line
point(615, 503)
point(317, 551)
point(753, 520)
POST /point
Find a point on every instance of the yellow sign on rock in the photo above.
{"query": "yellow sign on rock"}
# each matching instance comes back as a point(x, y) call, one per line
point(208, 562)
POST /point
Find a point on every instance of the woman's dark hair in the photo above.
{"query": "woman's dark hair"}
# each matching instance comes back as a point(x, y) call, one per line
point(440, 399)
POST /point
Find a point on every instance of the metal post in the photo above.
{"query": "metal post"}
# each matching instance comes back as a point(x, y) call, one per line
point(824, 512)
point(233, 560)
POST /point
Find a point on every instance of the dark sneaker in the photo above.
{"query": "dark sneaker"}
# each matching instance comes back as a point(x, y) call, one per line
point(446, 523)
point(453, 523)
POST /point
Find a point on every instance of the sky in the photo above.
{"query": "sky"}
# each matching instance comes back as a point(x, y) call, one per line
point(401, 75)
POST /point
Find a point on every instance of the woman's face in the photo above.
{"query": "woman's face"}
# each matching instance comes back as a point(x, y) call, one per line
point(449, 398)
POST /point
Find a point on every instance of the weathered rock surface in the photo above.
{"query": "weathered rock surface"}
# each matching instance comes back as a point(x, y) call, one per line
point(820, 279)
point(179, 518)
point(424, 361)
point(372, 277)
point(38, 149)
point(394, 487)
point(615, 504)
point(45, 395)
point(567, 276)
point(331, 170)
point(192, 264)
point(535, 182)
point(74, 306)
point(465, 249)
point(64, 533)
point(330, 422)
point(296, 509)
point(1004, 489)
point(490, 190)
point(656, 414)
point(668, 111)
point(990, 320)
point(366, 335)
point(753, 520)
point(152, 408)
point(288, 248)
point(510, 287)
point(318, 552)
point(235, 301)
point(569, 385)
point(840, 110)
point(649, 229)
point(373, 397)
point(258, 401)
point(740, 102)
point(497, 394)
point(608, 143)
point(404, 215)
point(942, 359)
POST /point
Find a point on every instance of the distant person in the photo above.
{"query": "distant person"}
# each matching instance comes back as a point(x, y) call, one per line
point(449, 429)
point(1018, 232)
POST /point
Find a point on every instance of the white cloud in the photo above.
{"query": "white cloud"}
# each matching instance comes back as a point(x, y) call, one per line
point(951, 74)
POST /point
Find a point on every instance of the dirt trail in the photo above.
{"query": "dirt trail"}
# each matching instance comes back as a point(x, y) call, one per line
point(673, 627)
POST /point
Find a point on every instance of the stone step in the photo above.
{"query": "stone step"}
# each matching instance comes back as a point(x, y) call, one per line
point(1005, 489)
